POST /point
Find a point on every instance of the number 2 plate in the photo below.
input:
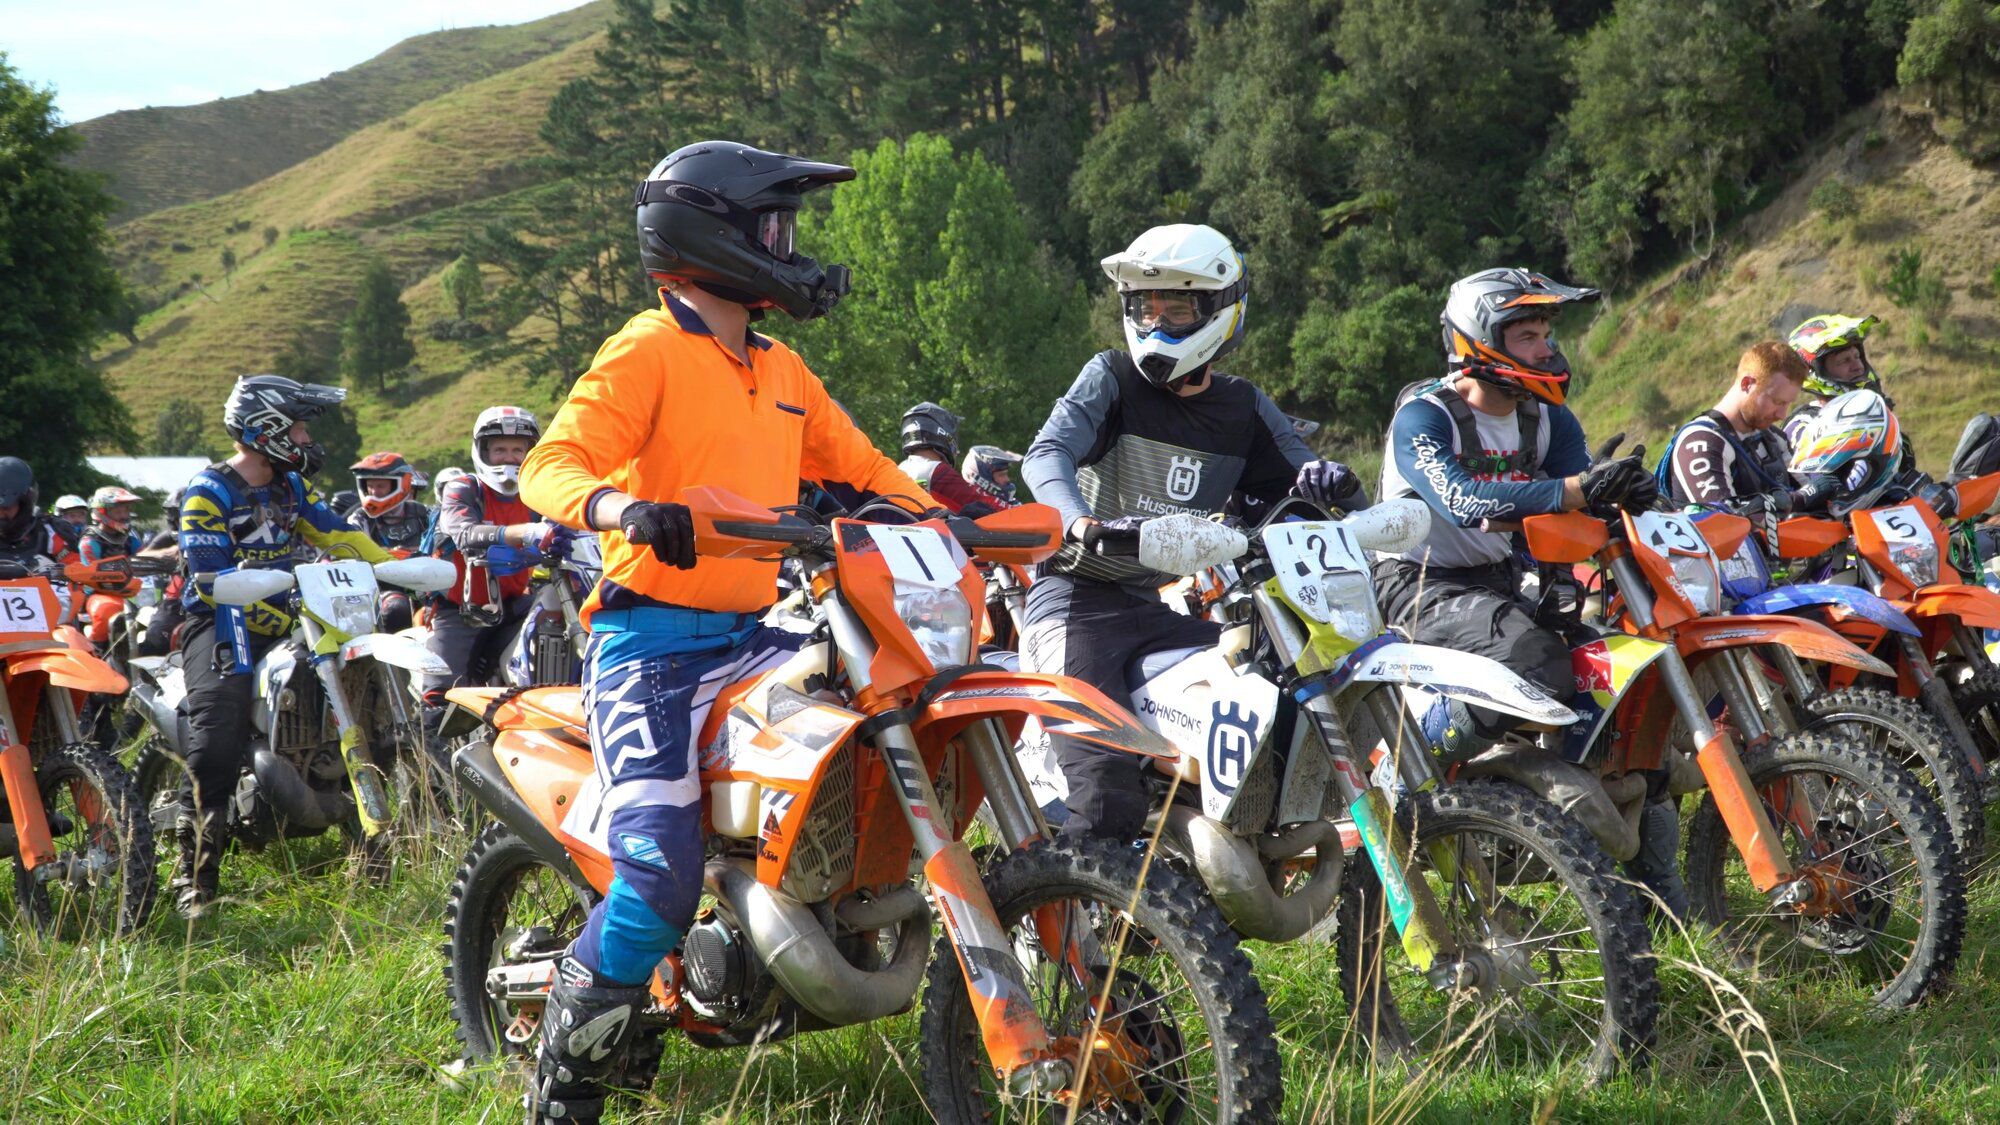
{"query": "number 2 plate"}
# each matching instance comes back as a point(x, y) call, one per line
point(1303, 554)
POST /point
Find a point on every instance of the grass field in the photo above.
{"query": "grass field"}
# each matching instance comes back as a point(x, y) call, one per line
point(314, 997)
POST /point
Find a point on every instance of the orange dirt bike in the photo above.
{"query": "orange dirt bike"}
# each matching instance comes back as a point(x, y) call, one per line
point(82, 850)
point(1812, 849)
point(840, 784)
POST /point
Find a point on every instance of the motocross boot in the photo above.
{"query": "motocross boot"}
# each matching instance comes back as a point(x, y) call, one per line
point(198, 867)
point(585, 1030)
point(1657, 866)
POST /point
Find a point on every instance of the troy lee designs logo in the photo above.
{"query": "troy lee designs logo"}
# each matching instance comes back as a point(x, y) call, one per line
point(1430, 461)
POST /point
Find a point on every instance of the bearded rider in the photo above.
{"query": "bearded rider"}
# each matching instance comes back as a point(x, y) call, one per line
point(684, 395)
point(1736, 453)
point(1147, 431)
point(1493, 442)
point(256, 508)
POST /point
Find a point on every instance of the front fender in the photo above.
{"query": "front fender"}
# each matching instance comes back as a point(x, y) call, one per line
point(1809, 639)
point(396, 649)
point(1462, 675)
point(1976, 606)
point(1064, 705)
point(72, 666)
point(1853, 599)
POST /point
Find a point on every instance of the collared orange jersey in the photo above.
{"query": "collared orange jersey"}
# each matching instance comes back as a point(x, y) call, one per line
point(666, 407)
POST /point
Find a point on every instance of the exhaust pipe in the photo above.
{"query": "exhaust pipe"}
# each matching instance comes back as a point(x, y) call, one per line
point(801, 955)
point(165, 721)
point(1572, 789)
point(296, 802)
point(480, 773)
point(1233, 869)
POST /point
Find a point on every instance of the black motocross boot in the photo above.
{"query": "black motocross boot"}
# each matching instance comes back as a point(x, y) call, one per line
point(1657, 866)
point(585, 1030)
point(198, 868)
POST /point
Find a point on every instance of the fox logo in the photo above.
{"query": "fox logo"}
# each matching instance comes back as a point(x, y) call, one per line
point(1232, 735)
point(1183, 478)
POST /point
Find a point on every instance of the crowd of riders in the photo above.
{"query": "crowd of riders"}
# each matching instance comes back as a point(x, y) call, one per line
point(691, 393)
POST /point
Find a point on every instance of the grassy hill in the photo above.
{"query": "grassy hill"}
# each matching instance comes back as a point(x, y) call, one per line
point(1662, 351)
point(160, 157)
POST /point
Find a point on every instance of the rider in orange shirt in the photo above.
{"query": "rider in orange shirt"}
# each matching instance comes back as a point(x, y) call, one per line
point(683, 395)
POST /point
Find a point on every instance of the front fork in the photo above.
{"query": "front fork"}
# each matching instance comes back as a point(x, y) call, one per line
point(371, 791)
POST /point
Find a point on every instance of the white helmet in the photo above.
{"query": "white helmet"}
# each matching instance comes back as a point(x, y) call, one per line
point(501, 421)
point(1184, 294)
point(445, 476)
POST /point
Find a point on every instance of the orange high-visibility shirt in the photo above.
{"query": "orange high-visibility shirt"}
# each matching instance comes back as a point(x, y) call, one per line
point(666, 407)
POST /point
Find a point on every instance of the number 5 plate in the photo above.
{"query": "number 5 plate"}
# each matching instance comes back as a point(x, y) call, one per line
point(1901, 524)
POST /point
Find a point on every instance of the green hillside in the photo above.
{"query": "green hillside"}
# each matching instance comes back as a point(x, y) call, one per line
point(1662, 351)
point(406, 189)
point(161, 157)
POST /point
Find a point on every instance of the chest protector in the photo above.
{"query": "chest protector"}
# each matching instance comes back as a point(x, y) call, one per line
point(1469, 450)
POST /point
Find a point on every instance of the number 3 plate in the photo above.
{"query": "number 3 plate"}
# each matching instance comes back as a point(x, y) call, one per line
point(1670, 533)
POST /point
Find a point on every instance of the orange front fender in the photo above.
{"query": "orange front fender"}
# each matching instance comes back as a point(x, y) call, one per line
point(72, 666)
point(1809, 639)
point(1976, 606)
point(1065, 705)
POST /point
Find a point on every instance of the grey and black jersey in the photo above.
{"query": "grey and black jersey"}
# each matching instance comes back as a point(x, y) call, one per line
point(1116, 446)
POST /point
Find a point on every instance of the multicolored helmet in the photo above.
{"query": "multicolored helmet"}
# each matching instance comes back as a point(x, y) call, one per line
point(390, 466)
point(102, 505)
point(1475, 319)
point(984, 463)
point(1821, 336)
point(1854, 437)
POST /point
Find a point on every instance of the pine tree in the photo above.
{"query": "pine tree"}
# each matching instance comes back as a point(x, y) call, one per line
point(375, 341)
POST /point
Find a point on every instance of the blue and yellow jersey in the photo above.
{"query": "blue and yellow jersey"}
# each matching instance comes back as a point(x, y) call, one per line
point(227, 522)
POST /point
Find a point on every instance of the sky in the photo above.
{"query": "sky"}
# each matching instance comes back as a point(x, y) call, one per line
point(105, 55)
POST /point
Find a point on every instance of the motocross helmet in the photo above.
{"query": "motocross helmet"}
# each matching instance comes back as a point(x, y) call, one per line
point(1856, 438)
point(262, 409)
point(1185, 297)
point(930, 426)
point(389, 466)
point(721, 215)
point(501, 421)
point(1820, 337)
point(104, 505)
point(17, 487)
point(1475, 319)
point(445, 476)
point(343, 502)
point(69, 502)
point(984, 463)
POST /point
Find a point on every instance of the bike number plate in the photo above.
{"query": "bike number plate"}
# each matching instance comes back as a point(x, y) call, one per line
point(1670, 533)
point(24, 611)
point(340, 594)
point(918, 555)
point(1304, 555)
point(1901, 524)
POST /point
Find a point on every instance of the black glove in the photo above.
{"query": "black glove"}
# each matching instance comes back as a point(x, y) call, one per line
point(1124, 531)
point(1330, 484)
point(1814, 495)
point(1942, 498)
point(667, 528)
point(1623, 481)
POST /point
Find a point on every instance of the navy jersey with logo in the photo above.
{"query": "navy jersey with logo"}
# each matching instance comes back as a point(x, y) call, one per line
point(227, 522)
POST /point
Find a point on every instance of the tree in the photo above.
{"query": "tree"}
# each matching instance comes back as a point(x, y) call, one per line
point(56, 290)
point(375, 341)
point(1952, 53)
point(1134, 173)
point(270, 237)
point(228, 263)
point(183, 429)
point(463, 285)
point(955, 302)
point(1355, 360)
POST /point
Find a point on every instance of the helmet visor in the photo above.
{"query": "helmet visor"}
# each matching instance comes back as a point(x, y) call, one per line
point(774, 232)
point(1172, 313)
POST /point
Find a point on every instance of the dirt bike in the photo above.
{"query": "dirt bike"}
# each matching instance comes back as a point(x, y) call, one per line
point(1824, 854)
point(81, 848)
point(548, 649)
point(1508, 937)
point(839, 786)
point(332, 718)
point(1911, 729)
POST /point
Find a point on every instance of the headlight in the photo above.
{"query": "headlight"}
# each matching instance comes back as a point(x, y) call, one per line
point(353, 614)
point(1350, 603)
point(940, 620)
point(1697, 579)
point(1917, 561)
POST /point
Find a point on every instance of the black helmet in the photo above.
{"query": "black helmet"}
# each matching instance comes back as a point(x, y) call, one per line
point(262, 409)
point(1475, 318)
point(344, 501)
point(930, 426)
point(721, 214)
point(17, 482)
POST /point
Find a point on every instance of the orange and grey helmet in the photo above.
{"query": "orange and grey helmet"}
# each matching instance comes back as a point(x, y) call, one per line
point(104, 505)
point(1475, 319)
point(1820, 337)
point(387, 465)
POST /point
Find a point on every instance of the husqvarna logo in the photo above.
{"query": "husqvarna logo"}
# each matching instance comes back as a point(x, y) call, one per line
point(1232, 735)
point(1183, 478)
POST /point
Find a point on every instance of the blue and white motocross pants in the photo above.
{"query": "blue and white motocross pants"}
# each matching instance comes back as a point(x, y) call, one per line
point(649, 679)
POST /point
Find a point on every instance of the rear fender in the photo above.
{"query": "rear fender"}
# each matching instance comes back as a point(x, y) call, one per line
point(1064, 705)
point(1976, 606)
point(1851, 600)
point(396, 649)
point(1461, 675)
point(1810, 639)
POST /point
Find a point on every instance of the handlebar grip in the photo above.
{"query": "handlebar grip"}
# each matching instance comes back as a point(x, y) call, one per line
point(1119, 542)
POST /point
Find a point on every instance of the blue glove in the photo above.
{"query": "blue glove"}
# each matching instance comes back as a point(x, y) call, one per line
point(1330, 484)
point(554, 539)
